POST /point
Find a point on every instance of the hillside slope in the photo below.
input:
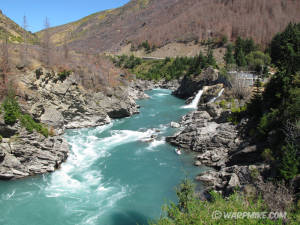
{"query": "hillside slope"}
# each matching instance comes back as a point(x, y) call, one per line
point(165, 21)
point(13, 31)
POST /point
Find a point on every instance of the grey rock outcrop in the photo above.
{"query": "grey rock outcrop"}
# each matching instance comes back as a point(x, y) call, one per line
point(28, 154)
point(190, 85)
point(201, 134)
point(59, 104)
point(227, 179)
point(64, 102)
point(219, 145)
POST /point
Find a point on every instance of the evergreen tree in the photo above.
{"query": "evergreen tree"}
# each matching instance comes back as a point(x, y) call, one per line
point(248, 46)
point(210, 58)
point(285, 49)
point(290, 162)
point(229, 58)
point(240, 58)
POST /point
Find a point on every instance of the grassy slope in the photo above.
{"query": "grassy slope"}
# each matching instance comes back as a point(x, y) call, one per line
point(169, 21)
point(14, 32)
point(85, 26)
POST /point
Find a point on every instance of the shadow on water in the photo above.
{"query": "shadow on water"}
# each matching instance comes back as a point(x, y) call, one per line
point(129, 218)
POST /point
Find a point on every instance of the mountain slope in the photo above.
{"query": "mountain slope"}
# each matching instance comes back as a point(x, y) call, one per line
point(165, 21)
point(13, 31)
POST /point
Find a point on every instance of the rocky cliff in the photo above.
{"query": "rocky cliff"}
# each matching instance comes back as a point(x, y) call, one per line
point(218, 144)
point(63, 103)
point(60, 103)
point(24, 153)
point(190, 85)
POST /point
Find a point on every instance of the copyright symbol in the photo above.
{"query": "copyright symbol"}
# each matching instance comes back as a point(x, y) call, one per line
point(216, 215)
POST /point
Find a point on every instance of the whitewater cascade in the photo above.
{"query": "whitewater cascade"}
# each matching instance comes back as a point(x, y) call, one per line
point(219, 95)
point(194, 103)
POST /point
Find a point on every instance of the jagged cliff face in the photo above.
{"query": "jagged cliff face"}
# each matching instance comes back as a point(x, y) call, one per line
point(164, 21)
point(58, 104)
point(13, 31)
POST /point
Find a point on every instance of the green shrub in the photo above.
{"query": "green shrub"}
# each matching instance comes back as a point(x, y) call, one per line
point(267, 121)
point(223, 104)
point(11, 110)
point(191, 210)
point(267, 155)
point(30, 125)
point(1, 138)
point(258, 60)
point(27, 122)
point(38, 73)
point(62, 76)
point(237, 113)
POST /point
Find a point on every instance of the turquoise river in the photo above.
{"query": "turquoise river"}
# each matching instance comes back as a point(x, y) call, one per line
point(113, 175)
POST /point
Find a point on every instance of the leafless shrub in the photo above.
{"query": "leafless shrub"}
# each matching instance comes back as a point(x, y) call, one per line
point(4, 67)
point(277, 197)
point(292, 132)
point(240, 88)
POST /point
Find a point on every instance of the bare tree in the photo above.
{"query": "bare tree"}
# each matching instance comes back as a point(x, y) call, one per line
point(46, 48)
point(240, 89)
point(4, 64)
point(24, 51)
point(292, 132)
point(5, 56)
point(65, 46)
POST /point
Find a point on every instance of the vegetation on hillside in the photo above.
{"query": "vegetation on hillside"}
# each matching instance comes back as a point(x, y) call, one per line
point(168, 69)
point(168, 21)
point(275, 113)
point(274, 121)
point(13, 32)
point(12, 113)
point(245, 54)
point(218, 210)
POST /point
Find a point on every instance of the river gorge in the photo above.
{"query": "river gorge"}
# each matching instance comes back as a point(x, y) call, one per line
point(120, 173)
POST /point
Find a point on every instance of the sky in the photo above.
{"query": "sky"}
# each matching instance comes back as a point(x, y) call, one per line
point(57, 11)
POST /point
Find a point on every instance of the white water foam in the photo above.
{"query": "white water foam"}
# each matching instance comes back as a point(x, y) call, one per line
point(83, 186)
point(218, 96)
point(155, 143)
point(83, 155)
point(194, 103)
point(161, 94)
point(76, 177)
point(8, 195)
point(120, 137)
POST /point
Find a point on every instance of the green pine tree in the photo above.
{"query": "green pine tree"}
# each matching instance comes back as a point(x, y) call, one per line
point(229, 58)
point(241, 59)
point(290, 162)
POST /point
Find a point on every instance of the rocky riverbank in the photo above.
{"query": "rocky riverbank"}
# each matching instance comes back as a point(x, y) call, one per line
point(23, 153)
point(219, 144)
point(61, 103)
